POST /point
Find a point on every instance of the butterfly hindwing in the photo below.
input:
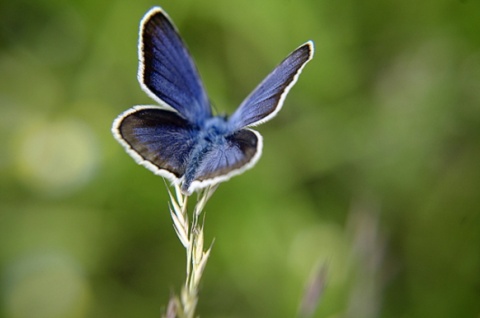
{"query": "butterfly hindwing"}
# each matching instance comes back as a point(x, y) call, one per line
point(166, 70)
point(268, 97)
point(159, 139)
point(237, 153)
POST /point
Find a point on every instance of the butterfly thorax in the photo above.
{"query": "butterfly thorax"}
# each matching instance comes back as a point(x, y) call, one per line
point(211, 135)
point(214, 126)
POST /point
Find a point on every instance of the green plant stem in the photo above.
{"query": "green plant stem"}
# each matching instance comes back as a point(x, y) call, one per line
point(192, 238)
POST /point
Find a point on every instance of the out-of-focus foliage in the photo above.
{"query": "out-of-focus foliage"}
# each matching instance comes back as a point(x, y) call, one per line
point(372, 168)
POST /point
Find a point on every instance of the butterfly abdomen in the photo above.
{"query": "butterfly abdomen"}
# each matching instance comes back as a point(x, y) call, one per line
point(212, 136)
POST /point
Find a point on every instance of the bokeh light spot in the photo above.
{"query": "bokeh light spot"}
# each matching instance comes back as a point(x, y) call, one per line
point(47, 286)
point(57, 157)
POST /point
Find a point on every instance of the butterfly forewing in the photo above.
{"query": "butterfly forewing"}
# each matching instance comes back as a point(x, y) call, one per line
point(159, 139)
point(267, 98)
point(166, 70)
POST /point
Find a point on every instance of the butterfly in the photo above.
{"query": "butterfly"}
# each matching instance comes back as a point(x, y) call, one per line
point(181, 139)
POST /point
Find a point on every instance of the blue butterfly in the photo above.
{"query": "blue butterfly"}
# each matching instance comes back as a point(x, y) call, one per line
point(181, 139)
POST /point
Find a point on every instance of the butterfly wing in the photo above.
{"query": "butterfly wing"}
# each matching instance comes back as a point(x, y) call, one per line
point(243, 147)
point(166, 70)
point(156, 138)
point(237, 153)
point(268, 97)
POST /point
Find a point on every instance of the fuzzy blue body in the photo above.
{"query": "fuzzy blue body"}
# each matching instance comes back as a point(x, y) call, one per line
point(211, 135)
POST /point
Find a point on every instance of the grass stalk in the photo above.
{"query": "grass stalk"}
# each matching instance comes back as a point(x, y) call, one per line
point(191, 236)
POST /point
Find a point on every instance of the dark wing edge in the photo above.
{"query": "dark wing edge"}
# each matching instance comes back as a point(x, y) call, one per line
point(202, 98)
point(200, 184)
point(134, 154)
point(238, 119)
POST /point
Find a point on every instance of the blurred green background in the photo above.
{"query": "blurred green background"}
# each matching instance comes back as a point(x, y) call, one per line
point(371, 169)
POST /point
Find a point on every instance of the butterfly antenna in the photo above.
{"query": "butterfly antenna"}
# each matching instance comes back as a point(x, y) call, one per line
point(214, 107)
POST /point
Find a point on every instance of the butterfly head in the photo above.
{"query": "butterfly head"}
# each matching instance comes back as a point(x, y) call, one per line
point(216, 126)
